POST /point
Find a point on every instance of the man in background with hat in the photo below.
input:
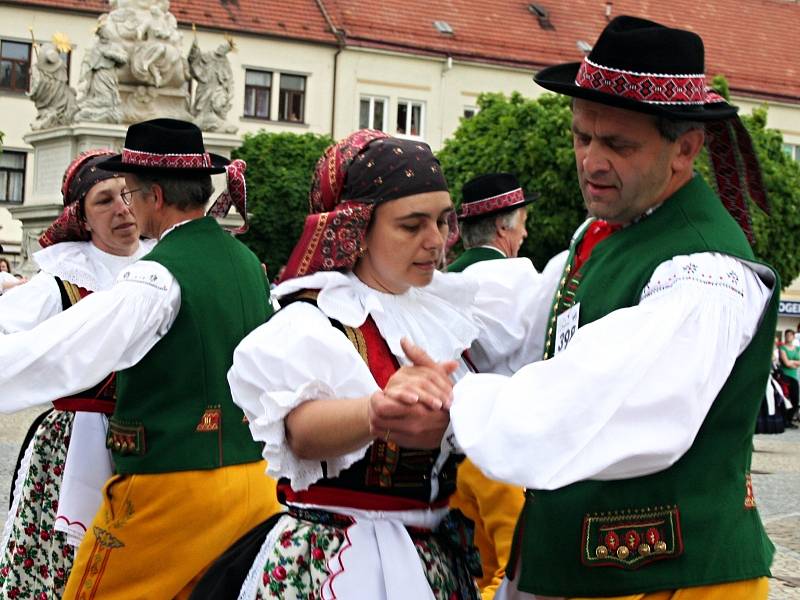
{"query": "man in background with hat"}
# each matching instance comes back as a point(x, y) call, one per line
point(492, 219)
point(189, 478)
point(492, 224)
point(634, 436)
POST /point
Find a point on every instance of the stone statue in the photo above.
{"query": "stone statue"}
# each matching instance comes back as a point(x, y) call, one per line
point(99, 99)
point(214, 93)
point(159, 51)
point(50, 91)
point(149, 33)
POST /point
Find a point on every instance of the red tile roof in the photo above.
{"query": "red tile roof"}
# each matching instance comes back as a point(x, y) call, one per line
point(294, 19)
point(753, 43)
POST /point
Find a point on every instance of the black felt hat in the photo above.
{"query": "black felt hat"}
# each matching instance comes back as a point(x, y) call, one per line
point(165, 146)
point(493, 193)
point(642, 66)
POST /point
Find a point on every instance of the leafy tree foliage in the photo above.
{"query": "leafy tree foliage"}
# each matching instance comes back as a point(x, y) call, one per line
point(279, 169)
point(531, 138)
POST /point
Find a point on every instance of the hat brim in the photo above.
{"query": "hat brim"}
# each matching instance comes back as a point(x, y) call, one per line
point(528, 199)
point(561, 79)
point(115, 164)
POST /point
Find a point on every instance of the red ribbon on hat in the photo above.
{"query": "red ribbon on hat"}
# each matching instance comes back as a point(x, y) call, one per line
point(651, 88)
point(504, 200)
point(166, 161)
point(235, 195)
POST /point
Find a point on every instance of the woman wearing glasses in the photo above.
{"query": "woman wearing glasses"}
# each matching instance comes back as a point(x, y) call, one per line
point(64, 463)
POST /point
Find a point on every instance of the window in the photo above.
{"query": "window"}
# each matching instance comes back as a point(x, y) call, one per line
point(792, 150)
point(372, 113)
point(257, 90)
point(15, 64)
point(293, 98)
point(410, 118)
point(12, 176)
point(470, 111)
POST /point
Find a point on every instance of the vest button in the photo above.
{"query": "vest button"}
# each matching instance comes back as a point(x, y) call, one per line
point(661, 547)
point(643, 549)
point(601, 552)
point(623, 552)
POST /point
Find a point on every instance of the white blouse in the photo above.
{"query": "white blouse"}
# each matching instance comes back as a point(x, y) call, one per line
point(298, 355)
point(629, 393)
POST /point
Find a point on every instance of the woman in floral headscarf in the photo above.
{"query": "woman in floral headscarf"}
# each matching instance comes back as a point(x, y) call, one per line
point(368, 513)
point(64, 463)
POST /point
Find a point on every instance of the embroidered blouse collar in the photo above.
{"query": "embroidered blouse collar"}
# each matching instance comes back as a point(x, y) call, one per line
point(85, 265)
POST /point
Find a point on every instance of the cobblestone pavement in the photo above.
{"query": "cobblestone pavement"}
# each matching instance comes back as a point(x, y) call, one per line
point(776, 483)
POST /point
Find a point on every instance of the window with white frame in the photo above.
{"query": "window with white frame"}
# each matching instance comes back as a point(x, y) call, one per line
point(291, 106)
point(411, 118)
point(257, 91)
point(373, 113)
point(793, 150)
point(12, 176)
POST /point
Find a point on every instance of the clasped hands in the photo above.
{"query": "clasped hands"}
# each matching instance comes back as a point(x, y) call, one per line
point(413, 409)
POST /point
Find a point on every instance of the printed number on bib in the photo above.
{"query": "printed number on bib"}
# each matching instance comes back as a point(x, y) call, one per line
point(566, 327)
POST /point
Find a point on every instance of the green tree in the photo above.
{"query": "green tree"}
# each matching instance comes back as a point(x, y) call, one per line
point(279, 169)
point(531, 138)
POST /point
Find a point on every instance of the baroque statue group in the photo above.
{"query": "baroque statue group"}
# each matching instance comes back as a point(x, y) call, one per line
point(135, 70)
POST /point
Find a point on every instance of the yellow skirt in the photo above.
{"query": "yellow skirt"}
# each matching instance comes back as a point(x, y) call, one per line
point(155, 535)
point(749, 589)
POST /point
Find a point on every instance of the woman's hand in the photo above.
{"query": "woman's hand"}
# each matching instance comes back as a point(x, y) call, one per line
point(409, 409)
point(411, 425)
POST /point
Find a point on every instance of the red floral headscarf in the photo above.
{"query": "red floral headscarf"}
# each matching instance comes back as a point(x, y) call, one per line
point(81, 175)
point(353, 176)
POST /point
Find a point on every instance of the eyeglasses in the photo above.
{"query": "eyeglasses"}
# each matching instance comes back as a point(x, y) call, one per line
point(127, 195)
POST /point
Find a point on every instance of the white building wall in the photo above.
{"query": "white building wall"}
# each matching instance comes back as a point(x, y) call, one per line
point(314, 61)
point(445, 87)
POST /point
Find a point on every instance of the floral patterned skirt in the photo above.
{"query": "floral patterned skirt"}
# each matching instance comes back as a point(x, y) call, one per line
point(296, 567)
point(36, 558)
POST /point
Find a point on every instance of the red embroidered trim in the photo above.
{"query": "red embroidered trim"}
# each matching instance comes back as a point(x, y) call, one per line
point(171, 161)
point(652, 88)
point(479, 207)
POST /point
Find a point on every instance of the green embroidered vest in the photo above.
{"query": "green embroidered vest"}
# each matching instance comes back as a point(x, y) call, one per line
point(471, 256)
point(174, 409)
point(694, 523)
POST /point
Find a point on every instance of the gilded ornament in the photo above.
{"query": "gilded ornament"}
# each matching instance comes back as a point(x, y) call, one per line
point(623, 552)
point(601, 552)
point(643, 549)
point(660, 547)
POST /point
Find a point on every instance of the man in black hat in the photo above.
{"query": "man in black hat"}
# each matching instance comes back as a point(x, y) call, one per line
point(189, 478)
point(492, 219)
point(634, 436)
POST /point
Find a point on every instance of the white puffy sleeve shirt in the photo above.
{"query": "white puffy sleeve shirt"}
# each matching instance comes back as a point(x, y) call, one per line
point(106, 331)
point(298, 355)
point(628, 395)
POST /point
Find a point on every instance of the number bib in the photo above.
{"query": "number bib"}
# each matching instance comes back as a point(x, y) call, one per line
point(566, 326)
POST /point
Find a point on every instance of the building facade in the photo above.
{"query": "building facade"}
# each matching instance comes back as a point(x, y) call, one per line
point(413, 69)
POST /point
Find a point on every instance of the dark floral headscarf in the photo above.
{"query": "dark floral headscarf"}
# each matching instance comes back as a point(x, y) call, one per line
point(81, 176)
point(353, 176)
